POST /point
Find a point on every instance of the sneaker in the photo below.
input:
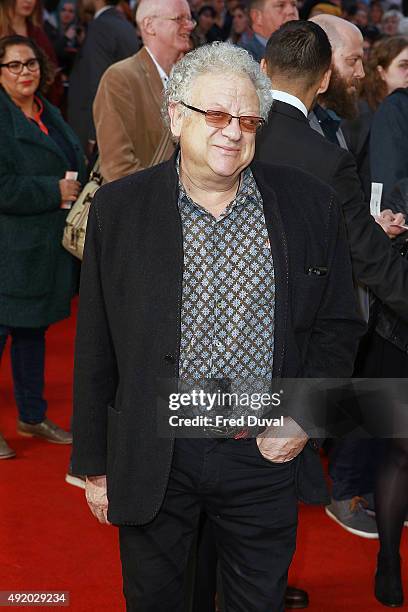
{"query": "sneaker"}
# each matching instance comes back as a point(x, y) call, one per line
point(369, 497)
point(75, 480)
point(370, 507)
point(47, 430)
point(351, 515)
point(5, 451)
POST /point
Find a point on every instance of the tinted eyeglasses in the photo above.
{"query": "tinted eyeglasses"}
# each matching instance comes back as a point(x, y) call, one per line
point(219, 119)
point(17, 67)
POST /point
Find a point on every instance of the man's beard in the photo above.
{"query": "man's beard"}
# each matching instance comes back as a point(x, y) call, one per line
point(337, 97)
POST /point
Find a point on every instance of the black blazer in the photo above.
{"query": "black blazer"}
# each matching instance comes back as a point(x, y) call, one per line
point(129, 329)
point(357, 135)
point(109, 39)
point(287, 138)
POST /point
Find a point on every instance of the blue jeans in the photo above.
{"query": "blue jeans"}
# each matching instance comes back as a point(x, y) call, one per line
point(27, 362)
point(352, 467)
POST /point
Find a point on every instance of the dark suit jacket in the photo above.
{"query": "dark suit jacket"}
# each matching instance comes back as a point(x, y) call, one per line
point(287, 138)
point(389, 140)
point(129, 329)
point(254, 47)
point(109, 39)
point(357, 135)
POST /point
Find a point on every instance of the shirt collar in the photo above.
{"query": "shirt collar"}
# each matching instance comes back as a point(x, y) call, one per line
point(283, 96)
point(164, 77)
point(261, 39)
point(247, 188)
point(102, 10)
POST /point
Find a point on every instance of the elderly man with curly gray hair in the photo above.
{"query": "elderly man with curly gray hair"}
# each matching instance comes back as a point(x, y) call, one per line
point(206, 270)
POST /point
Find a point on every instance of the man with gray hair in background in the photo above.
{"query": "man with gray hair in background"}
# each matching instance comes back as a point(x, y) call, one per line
point(208, 269)
point(266, 17)
point(130, 132)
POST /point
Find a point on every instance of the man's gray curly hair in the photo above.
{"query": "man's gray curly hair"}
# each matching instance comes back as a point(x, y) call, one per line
point(216, 58)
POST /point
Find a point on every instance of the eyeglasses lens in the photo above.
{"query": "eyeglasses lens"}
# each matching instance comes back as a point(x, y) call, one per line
point(221, 120)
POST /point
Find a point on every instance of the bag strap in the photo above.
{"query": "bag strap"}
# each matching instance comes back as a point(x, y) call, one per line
point(95, 174)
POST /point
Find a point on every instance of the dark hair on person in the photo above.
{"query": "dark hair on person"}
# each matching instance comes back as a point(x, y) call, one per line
point(207, 8)
point(256, 4)
point(299, 50)
point(370, 33)
point(47, 71)
point(382, 53)
point(7, 8)
point(112, 2)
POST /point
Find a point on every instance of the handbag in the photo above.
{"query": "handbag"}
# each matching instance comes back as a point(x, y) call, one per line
point(73, 239)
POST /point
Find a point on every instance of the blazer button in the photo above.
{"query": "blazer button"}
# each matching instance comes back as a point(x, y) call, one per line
point(169, 358)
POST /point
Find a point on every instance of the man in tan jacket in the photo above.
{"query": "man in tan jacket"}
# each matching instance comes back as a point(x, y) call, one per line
point(130, 131)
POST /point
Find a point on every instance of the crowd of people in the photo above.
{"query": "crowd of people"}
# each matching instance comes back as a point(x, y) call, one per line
point(177, 98)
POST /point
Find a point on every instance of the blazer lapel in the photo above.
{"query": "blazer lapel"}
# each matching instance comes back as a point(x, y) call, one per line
point(166, 255)
point(283, 108)
point(314, 123)
point(280, 256)
point(153, 80)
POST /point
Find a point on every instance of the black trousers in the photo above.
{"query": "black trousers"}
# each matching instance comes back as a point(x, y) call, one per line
point(252, 507)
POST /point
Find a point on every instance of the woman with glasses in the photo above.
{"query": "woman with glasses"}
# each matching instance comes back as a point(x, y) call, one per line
point(37, 276)
point(24, 17)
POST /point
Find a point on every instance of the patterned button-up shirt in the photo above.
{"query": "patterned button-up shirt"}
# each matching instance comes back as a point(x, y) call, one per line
point(228, 298)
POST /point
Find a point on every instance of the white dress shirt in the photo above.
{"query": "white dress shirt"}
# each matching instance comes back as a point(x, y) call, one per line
point(161, 72)
point(283, 96)
point(102, 10)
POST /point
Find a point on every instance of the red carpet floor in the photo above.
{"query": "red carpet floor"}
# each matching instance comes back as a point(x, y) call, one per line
point(49, 540)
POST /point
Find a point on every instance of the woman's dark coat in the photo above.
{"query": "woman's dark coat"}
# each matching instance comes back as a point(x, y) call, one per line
point(37, 276)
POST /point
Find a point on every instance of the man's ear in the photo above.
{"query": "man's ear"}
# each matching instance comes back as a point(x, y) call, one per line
point(324, 83)
point(263, 66)
point(148, 26)
point(176, 119)
point(255, 17)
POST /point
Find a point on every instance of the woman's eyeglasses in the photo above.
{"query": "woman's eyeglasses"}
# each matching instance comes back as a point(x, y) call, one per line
point(17, 67)
point(219, 119)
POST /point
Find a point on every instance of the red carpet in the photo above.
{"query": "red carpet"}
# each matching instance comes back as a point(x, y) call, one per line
point(49, 540)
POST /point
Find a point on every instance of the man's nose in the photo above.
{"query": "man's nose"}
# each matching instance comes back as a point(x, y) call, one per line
point(189, 25)
point(359, 71)
point(233, 130)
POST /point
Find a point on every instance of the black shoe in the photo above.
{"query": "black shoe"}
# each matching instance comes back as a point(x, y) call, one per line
point(296, 599)
point(388, 583)
point(47, 430)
